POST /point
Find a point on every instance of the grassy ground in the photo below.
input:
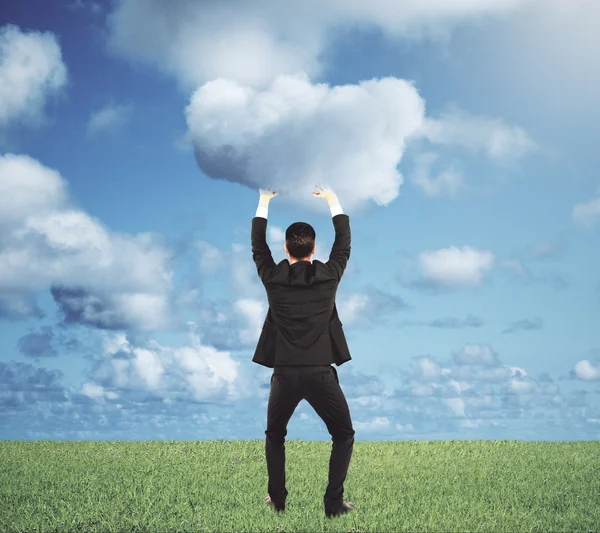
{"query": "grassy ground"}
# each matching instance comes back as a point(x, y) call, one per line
point(220, 486)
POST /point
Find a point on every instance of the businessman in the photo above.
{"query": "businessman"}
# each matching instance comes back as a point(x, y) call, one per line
point(301, 337)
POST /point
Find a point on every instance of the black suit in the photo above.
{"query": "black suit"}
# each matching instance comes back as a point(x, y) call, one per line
point(302, 326)
point(301, 337)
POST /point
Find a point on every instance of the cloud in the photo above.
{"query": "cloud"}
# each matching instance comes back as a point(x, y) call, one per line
point(369, 308)
point(478, 134)
point(254, 42)
point(295, 134)
point(494, 374)
point(447, 182)
point(14, 305)
point(524, 324)
point(106, 279)
point(38, 344)
point(109, 119)
point(86, 5)
point(144, 389)
point(586, 214)
point(255, 117)
point(522, 273)
point(445, 269)
point(24, 386)
point(193, 372)
point(131, 387)
point(78, 306)
point(586, 370)
point(27, 187)
point(470, 321)
point(547, 250)
point(476, 354)
point(276, 234)
point(473, 390)
point(31, 72)
point(211, 257)
point(454, 266)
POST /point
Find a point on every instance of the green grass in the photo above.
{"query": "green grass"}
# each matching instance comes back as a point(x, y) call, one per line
point(220, 486)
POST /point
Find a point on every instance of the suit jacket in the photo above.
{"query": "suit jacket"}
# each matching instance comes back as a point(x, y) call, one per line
point(302, 326)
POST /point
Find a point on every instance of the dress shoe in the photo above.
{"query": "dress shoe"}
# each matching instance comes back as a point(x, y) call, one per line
point(346, 506)
point(272, 504)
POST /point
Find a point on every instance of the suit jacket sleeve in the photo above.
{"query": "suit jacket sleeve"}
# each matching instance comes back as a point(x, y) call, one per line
point(261, 252)
point(340, 252)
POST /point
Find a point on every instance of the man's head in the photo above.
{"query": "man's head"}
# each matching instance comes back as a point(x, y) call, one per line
point(300, 242)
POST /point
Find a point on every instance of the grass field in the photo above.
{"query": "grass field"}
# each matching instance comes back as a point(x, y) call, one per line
point(220, 486)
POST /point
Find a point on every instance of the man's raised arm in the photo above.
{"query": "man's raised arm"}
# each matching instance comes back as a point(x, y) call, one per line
point(261, 252)
point(340, 252)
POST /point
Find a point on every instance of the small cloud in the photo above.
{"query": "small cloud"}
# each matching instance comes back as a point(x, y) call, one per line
point(15, 306)
point(370, 307)
point(31, 71)
point(448, 182)
point(455, 267)
point(276, 234)
point(109, 119)
point(524, 324)
point(547, 250)
point(476, 354)
point(24, 385)
point(478, 133)
point(77, 305)
point(521, 272)
point(38, 343)
point(89, 5)
point(587, 213)
point(211, 257)
point(470, 321)
point(586, 370)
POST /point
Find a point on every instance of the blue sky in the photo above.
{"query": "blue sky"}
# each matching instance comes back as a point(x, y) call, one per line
point(460, 140)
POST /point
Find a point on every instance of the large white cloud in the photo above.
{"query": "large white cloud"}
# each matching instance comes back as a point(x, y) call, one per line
point(254, 42)
point(295, 134)
point(31, 71)
point(99, 277)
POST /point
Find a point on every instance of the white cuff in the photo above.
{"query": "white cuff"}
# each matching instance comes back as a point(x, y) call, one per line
point(262, 211)
point(336, 209)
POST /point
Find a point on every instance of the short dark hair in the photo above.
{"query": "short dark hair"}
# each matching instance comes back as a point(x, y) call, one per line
point(300, 240)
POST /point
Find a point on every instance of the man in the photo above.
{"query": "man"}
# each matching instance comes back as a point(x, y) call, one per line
point(301, 337)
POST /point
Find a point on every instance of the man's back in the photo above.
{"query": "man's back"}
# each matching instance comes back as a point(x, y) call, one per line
point(302, 326)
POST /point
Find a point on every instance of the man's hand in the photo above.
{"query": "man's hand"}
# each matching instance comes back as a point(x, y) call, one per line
point(268, 193)
point(326, 192)
point(265, 196)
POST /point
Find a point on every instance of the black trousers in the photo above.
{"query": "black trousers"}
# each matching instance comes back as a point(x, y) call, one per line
point(319, 386)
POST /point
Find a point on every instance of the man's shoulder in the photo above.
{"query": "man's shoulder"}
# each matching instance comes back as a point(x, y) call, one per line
point(283, 268)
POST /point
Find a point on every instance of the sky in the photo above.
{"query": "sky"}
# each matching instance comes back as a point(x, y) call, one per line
point(460, 138)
